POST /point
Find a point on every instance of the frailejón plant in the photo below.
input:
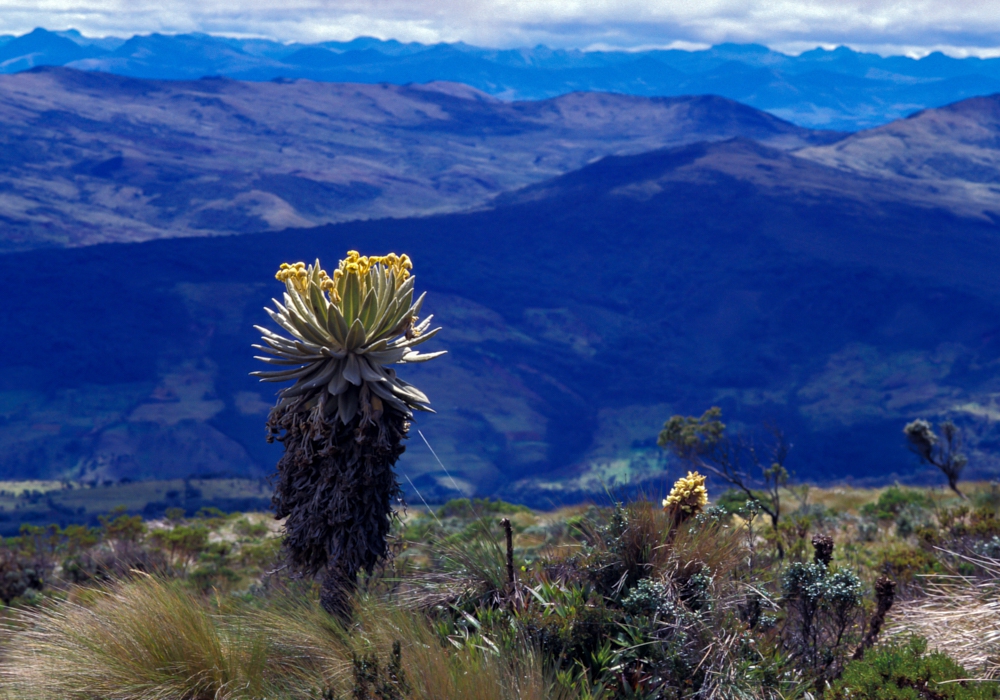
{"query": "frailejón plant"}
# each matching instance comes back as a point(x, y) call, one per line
point(343, 419)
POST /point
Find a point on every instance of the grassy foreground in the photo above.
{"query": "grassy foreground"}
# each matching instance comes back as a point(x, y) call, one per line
point(889, 593)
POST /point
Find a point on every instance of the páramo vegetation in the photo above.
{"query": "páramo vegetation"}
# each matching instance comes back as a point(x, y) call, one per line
point(733, 583)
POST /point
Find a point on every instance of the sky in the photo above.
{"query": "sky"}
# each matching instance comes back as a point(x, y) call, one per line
point(912, 27)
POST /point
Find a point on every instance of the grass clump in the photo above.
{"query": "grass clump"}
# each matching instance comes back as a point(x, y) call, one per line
point(146, 639)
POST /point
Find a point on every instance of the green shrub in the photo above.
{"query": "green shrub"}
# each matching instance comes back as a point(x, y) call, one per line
point(260, 555)
point(904, 671)
point(905, 563)
point(245, 528)
point(572, 625)
point(983, 522)
point(894, 500)
point(183, 542)
point(867, 529)
point(118, 526)
point(988, 499)
point(19, 577)
point(649, 598)
point(174, 515)
point(213, 570)
point(477, 508)
point(732, 501)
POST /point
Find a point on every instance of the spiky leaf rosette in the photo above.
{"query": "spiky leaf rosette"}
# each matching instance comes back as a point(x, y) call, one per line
point(343, 419)
point(345, 332)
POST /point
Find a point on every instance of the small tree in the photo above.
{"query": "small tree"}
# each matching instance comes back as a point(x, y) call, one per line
point(946, 455)
point(344, 419)
point(759, 472)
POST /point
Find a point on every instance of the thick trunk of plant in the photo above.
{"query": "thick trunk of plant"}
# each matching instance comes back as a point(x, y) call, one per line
point(335, 592)
point(336, 487)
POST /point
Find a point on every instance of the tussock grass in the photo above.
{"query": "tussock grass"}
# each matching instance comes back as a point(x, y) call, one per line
point(146, 639)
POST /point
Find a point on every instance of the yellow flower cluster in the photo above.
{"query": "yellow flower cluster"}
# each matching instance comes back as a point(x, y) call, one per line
point(298, 275)
point(689, 493)
point(361, 264)
point(294, 272)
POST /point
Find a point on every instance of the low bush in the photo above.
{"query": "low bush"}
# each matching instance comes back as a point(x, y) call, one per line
point(905, 564)
point(903, 670)
point(477, 508)
point(824, 615)
point(19, 576)
point(894, 500)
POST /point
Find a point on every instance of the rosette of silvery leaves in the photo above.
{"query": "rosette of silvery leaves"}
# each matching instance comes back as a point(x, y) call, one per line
point(343, 333)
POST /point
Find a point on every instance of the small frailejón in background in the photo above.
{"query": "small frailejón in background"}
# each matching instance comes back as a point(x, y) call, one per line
point(343, 420)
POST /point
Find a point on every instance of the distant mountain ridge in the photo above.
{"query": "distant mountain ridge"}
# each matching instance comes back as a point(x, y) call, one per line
point(91, 157)
point(839, 89)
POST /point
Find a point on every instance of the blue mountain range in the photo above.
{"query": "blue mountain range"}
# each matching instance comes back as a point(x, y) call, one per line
point(832, 89)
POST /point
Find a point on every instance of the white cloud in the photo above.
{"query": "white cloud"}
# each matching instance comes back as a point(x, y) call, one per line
point(889, 26)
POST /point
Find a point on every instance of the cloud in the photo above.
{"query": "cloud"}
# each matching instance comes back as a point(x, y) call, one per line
point(890, 26)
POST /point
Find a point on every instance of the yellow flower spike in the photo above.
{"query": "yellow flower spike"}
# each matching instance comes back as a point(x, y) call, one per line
point(688, 494)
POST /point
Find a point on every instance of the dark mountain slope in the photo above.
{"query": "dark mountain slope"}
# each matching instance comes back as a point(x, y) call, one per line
point(579, 313)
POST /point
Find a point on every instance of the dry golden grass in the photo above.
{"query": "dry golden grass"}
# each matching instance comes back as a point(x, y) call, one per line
point(146, 639)
point(848, 499)
point(959, 616)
